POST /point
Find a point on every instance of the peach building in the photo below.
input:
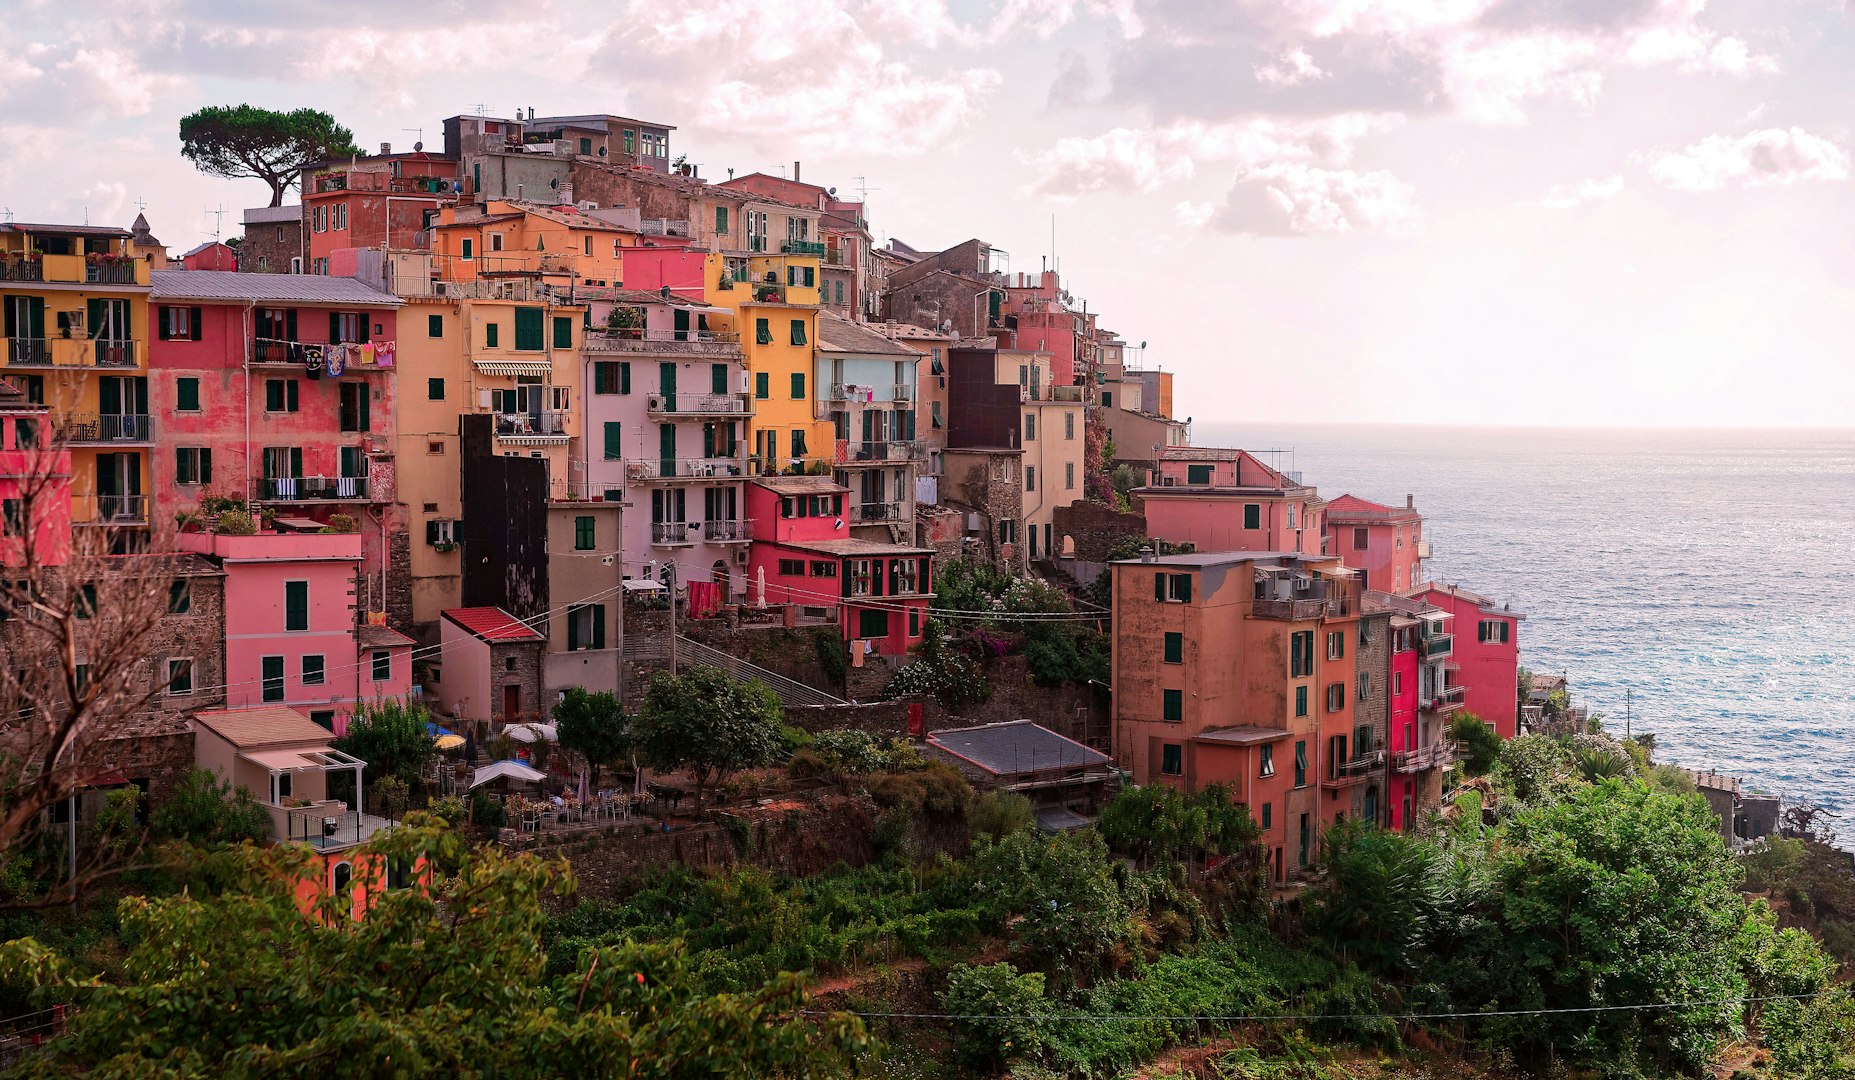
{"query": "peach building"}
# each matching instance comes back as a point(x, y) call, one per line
point(1385, 544)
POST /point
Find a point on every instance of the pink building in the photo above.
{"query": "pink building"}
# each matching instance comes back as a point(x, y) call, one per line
point(1383, 543)
point(1043, 318)
point(803, 551)
point(490, 668)
point(292, 632)
point(1423, 695)
point(35, 483)
point(254, 409)
point(1228, 500)
point(1484, 647)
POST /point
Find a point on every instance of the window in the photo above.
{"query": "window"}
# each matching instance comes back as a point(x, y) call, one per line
point(840, 293)
point(490, 334)
point(1494, 630)
point(1301, 701)
point(1069, 423)
point(1200, 474)
point(1336, 645)
point(382, 662)
point(824, 569)
point(434, 389)
point(1397, 684)
point(280, 395)
point(296, 605)
point(1173, 588)
point(178, 323)
point(193, 465)
point(1252, 515)
point(1030, 478)
point(273, 678)
point(761, 381)
point(1362, 687)
point(187, 394)
point(180, 676)
point(315, 670)
point(872, 623)
point(12, 517)
point(1030, 427)
point(1336, 697)
point(798, 443)
point(1172, 759)
point(1107, 400)
point(528, 336)
point(437, 531)
point(1268, 819)
point(721, 220)
point(1175, 648)
point(179, 597)
point(469, 249)
point(798, 331)
point(763, 334)
point(611, 377)
point(614, 440)
point(434, 447)
point(1301, 654)
point(1361, 537)
point(563, 332)
point(798, 386)
point(1069, 476)
point(585, 627)
point(1267, 759)
point(1301, 764)
point(434, 326)
point(792, 567)
point(1174, 705)
point(801, 276)
point(321, 267)
point(583, 533)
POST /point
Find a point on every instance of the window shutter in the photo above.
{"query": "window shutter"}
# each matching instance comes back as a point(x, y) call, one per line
point(361, 391)
point(290, 395)
point(1185, 588)
point(1159, 586)
point(718, 378)
point(206, 465)
point(193, 323)
point(598, 626)
point(563, 333)
point(296, 461)
point(708, 440)
point(431, 531)
point(334, 327)
point(573, 627)
point(614, 443)
point(296, 605)
point(624, 377)
point(181, 466)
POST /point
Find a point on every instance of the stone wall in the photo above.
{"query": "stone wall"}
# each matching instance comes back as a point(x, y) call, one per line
point(399, 578)
point(273, 244)
point(794, 652)
point(198, 633)
point(1095, 529)
point(1372, 707)
point(992, 483)
point(537, 696)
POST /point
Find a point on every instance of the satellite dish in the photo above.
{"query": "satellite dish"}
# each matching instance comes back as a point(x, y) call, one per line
point(602, 151)
point(838, 524)
point(1143, 344)
point(831, 192)
point(417, 147)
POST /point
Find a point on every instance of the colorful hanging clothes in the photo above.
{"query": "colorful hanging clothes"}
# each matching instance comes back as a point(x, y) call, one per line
point(313, 360)
point(384, 353)
point(337, 360)
point(364, 355)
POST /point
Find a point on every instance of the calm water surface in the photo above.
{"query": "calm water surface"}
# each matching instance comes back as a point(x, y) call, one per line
point(1709, 573)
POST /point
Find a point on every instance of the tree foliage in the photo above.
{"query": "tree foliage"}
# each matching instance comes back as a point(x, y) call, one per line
point(246, 142)
point(208, 812)
point(595, 726)
point(1071, 918)
point(709, 724)
point(446, 983)
point(393, 737)
point(1480, 744)
point(1160, 822)
point(1005, 1013)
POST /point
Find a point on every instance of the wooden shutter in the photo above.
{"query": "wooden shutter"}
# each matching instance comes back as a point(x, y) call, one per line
point(194, 318)
point(624, 377)
point(718, 378)
point(296, 605)
point(334, 327)
point(206, 464)
point(290, 397)
point(1185, 587)
point(1159, 586)
point(573, 627)
point(614, 442)
point(598, 626)
point(563, 333)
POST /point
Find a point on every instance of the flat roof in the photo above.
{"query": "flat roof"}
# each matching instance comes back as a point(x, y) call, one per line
point(1242, 736)
point(1225, 558)
point(801, 485)
point(1016, 747)
point(853, 547)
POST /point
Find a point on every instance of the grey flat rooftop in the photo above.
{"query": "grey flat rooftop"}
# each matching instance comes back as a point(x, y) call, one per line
point(801, 485)
point(1242, 736)
point(854, 547)
point(1015, 748)
point(214, 285)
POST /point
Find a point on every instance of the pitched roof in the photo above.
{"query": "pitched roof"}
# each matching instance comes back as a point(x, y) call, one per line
point(230, 285)
point(66, 230)
point(1352, 508)
point(1015, 747)
point(274, 215)
point(492, 624)
point(380, 637)
point(197, 248)
point(246, 728)
point(838, 334)
point(1353, 502)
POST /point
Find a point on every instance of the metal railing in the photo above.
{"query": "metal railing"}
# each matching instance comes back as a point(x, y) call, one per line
point(583, 491)
point(684, 468)
point(310, 489)
point(1447, 700)
point(672, 533)
point(18, 269)
point(119, 509)
point(1437, 755)
point(644, 333)
point(1438, 645)
point(110, 273)
point(29, 352)
point(802, 247)
point(106, 428)
point(885, 450)
point(877, 513)
point(110, 353)
point(699, 404)
point(1291, 610)
point(543, 424)
point(725, 532)
point(1359, 768)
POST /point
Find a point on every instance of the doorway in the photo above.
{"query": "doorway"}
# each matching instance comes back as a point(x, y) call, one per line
point(511, 703)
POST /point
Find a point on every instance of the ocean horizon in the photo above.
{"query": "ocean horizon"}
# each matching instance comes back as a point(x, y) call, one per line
point(1693, 583)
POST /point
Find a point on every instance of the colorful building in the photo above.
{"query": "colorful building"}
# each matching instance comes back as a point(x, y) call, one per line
point(1383, 543)
point(804, 554)
point(1423, 697)
point(75, 304)
point(281, 390)
point(1239, 669)
point(35, 483)
point(1484, 647)
point(1228, 500)
point(490, 668)
point(370, 202)
point(932, 348)
point(866, 387)
point(293, 634)
point(843, 238)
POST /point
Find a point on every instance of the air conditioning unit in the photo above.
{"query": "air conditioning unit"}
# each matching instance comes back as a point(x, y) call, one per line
point(746, 381)
point(588, 204)
point(740, 556)
point(438, 287)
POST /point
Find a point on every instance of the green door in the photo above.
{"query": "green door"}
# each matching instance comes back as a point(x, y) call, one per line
point(666, 449)
point(681, 323)
point(666, 385)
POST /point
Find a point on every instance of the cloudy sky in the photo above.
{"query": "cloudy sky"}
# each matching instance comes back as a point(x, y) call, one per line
point(1477, 211)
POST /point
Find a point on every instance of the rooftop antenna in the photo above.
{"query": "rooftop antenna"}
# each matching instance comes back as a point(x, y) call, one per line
point(217, 216)
point(141, 204)
point(863, 187)
point(481, 108)
point(419, 142)
point(8, 211)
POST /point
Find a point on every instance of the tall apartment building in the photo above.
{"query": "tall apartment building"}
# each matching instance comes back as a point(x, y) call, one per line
point(866, 388)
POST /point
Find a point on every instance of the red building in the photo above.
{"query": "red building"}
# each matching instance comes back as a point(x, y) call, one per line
point(1385, 544)
point(1424, 695)
point(279, 390)
point(372, 202)
point(1484, 648)
point(804, 554)
point(35, 483)
point(1043, 317)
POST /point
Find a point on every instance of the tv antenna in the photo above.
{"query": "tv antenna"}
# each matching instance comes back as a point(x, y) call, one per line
point(481, 109)
point(863, 187)
point(419, 138)
point(218, 217)
point(8, 212)
point(141, 204)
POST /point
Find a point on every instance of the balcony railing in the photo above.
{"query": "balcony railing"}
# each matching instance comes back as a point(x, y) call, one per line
point(865, 392)
point(802, 247)
point(638, 339)
point(114, 510)
point(1438, 645)
point(69, 352)
point(877, 513)
point(1438, 755)
point(73, 269)
point(584, 491)
point(673, 533)
point(649, 469)
point(883, 450)
point(547, 426)
point(113, 353)
point(14, 268)
point(725, 532)
point(1447, 700)
point(310, 489)
point(680, 404)
point(663, 226)
point(1359, 769)
point(28, 352)
point(106, 428)
point(1290, 610)
point(102, 273)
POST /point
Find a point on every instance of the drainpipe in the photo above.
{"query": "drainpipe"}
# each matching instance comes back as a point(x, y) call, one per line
point(246, 325)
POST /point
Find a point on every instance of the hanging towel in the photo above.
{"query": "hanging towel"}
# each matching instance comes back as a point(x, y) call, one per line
point(313, 360)
point(286, 487)
point(364, 355)
point(347, 487)
point(384, 353)
point(337, 360)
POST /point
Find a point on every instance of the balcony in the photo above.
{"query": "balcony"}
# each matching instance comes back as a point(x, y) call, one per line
point(870, 453)
point(638, 339)
point(877, 513)
point(113, 353)
point(282, 352)
point(111, 510)
point(1438, 645)
point(1438, 755)
point(74, 269)
point(1289, 610)
point(864, 393)
point(1066, 393)
point(673, 533)
point(69, 352)
point(725, 532)
point(583, 491)
point(802, 247)
point(1343, 774)
point(663, 226)
point(546, 428)
point(106, 429)
point(680, 404)
point(305, 489)
point(673, 470)
point(1447, 700)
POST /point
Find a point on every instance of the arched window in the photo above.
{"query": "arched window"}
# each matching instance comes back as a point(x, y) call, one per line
point(344, 876)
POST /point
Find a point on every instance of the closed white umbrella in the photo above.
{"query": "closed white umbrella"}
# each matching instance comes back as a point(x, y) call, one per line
point(760, 586)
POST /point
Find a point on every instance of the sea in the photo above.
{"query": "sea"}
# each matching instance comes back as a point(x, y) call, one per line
point(1698, 585)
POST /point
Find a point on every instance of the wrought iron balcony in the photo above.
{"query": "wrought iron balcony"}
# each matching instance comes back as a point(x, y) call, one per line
point(673, 533)
point(1358, 770)
point(106, 428)
point(682, 404)
point(311, 489)
point(876, 513)
point(1438, 755)
point(725, 532)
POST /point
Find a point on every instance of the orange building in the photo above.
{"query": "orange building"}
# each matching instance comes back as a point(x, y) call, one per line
point(1239, 669)
point(1228, 500)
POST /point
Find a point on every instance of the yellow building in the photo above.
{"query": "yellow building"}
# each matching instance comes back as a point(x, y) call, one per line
point(774, 299)
point(75, 302)
point(560, 244)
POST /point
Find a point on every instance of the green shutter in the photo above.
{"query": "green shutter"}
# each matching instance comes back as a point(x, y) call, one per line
point(718, 378)
point(434, 326)
point(798, 331)
point(206, 464)
point(763, 333)
point(1185, 588)
point(296, 605)
point(290, 399)
point(624, 377)
point(598, 626)
point(273, 395)
point(434, 389)
point(366, 406)
point(761, 389)
point(334, 327)
point(563, 332)
point(1175, 648)
point(273, 678)
point(489, 335)
point(1175, 704)
point(573, 628)
point(1301, 701)
point(614, 444)
point(1159, 586)
point(528, 330)
point(798, 386)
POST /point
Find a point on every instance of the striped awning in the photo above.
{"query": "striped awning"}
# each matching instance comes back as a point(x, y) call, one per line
point(510, 368)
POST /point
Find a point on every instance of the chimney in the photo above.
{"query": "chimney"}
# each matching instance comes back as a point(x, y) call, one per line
point(1146, 553)
point(386, 148)
point(1410, 502)
point(795, 172)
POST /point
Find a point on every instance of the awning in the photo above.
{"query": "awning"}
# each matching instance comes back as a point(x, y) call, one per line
point(642, 585)
point(282, 760)
point(512, 368)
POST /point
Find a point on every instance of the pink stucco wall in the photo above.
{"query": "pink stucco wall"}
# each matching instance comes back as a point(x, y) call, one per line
point(1490, 669)
point(46, 473)
point(1389, 559)
point(1215, 522)
point(1403, 733)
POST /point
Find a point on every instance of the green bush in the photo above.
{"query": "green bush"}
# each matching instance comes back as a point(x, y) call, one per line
point(998, 814)
point(1004, 1014)
point(236, 523)
point(208, 812)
